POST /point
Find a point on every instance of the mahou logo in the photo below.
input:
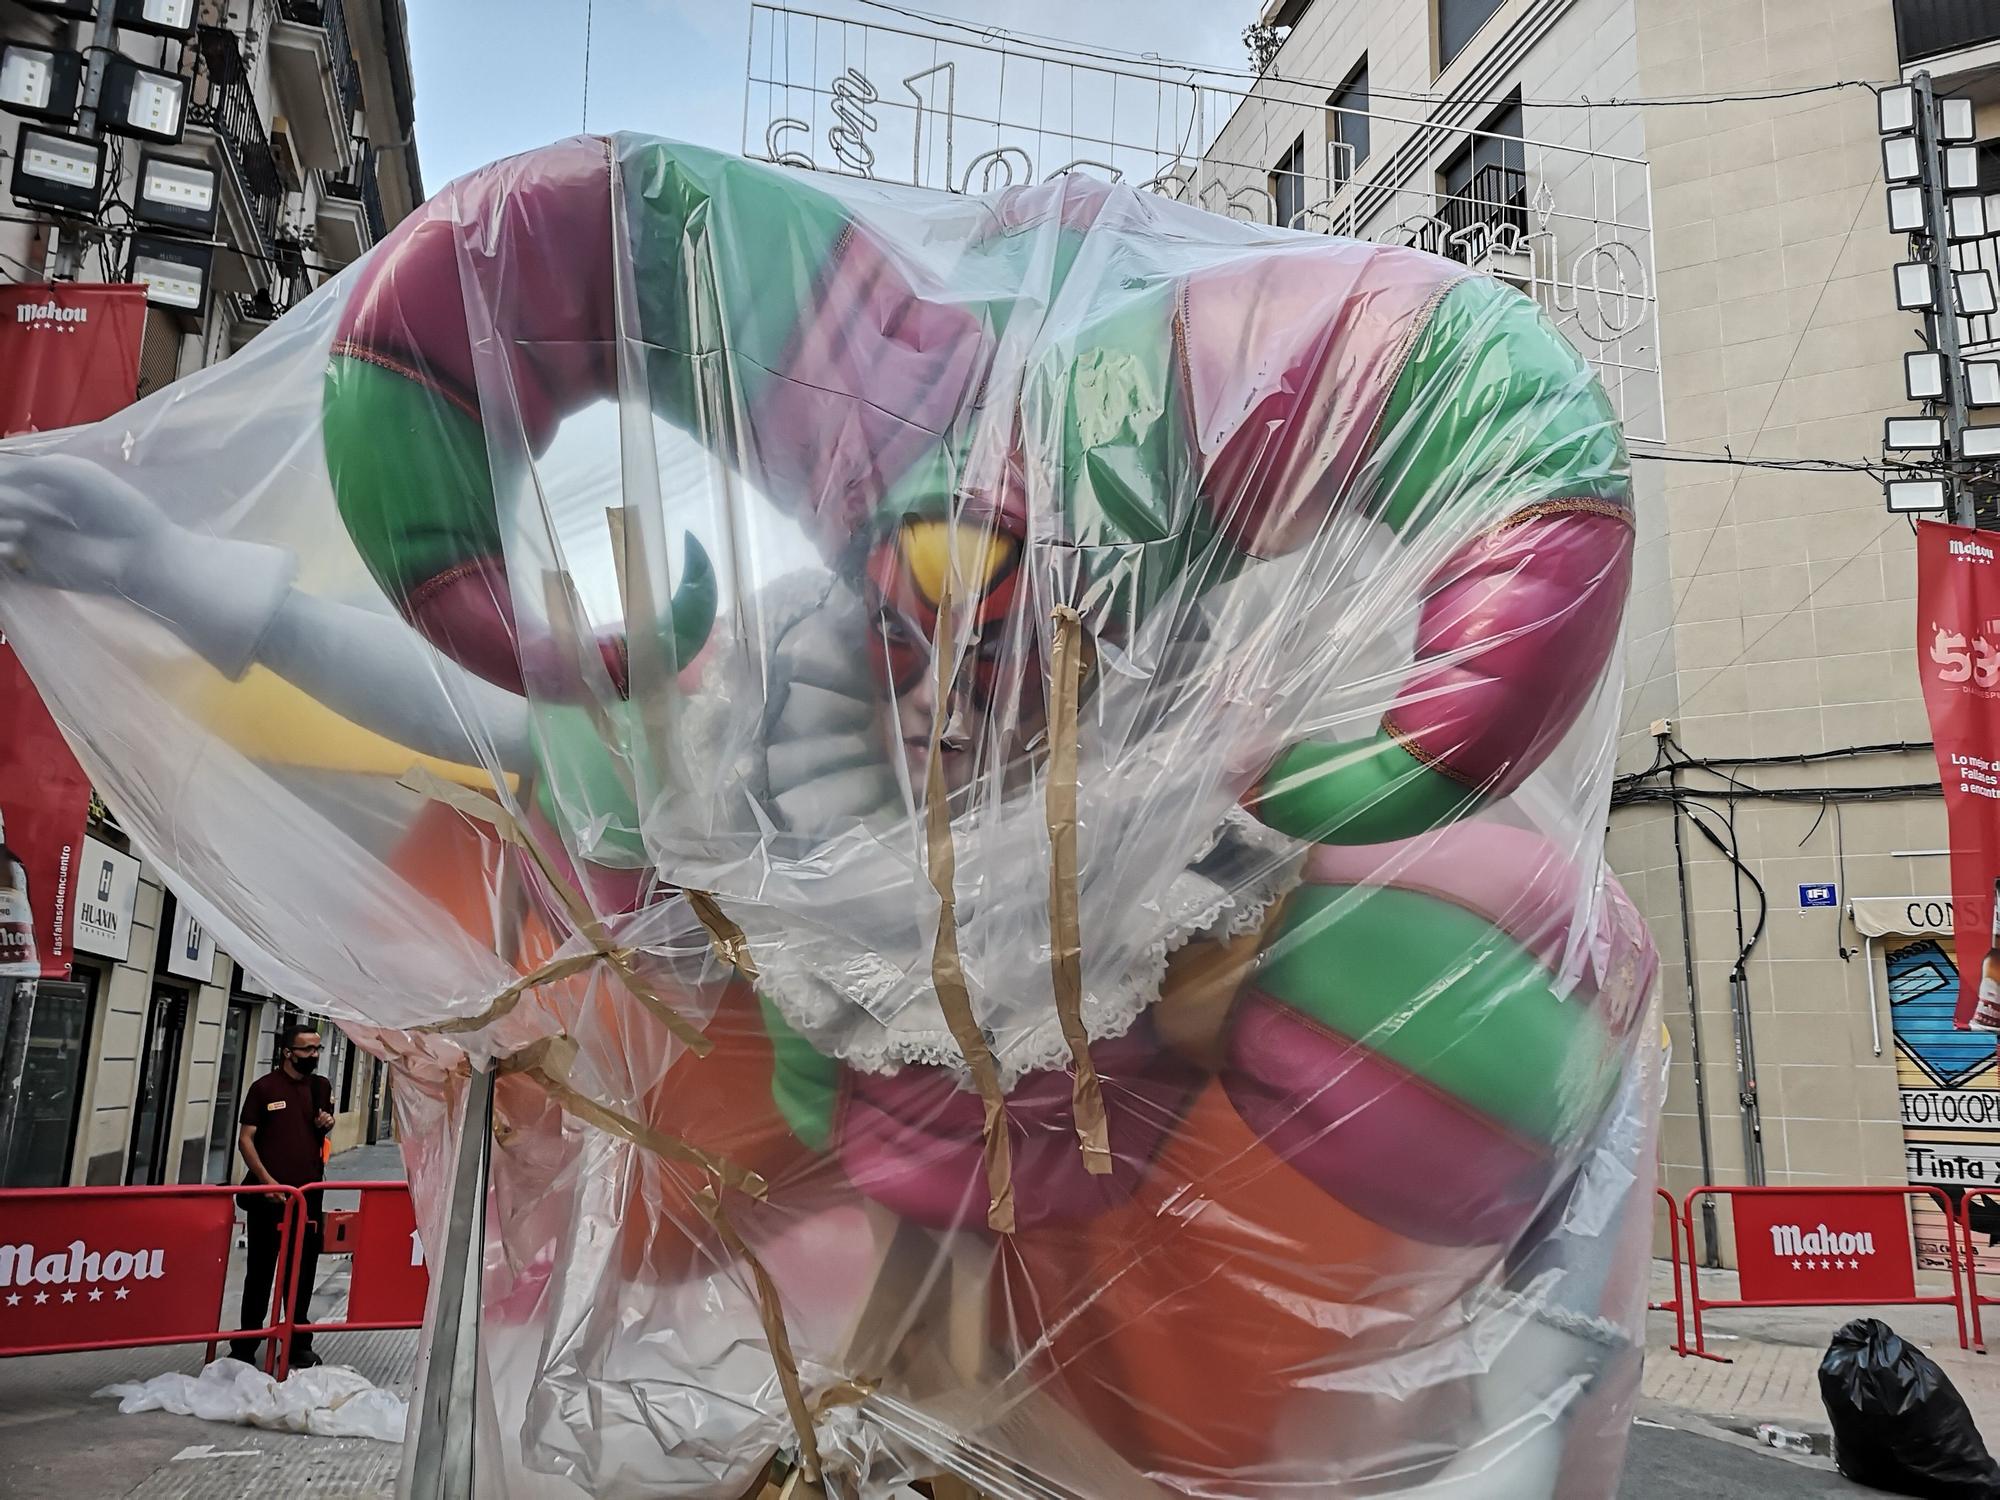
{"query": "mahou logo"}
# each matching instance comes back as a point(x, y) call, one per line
point(79, 1265)
point(1795, 1239)
point(1973, 550)
point(50, 315)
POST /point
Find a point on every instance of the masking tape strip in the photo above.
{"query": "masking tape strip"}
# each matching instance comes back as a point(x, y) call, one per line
point(772, 1313)
point(1065, 930)
point(621, 961)
point(549, 1061)
point(947, 970)
point(731, 946)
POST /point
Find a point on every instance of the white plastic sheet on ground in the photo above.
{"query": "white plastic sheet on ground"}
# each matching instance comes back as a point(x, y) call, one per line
point(326, 1401)
point(1236, 610)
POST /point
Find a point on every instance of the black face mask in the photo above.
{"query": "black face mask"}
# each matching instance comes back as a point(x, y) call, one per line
point(305, 1064)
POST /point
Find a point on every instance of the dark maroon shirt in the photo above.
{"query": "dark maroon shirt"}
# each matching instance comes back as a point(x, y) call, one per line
point(281, 1109)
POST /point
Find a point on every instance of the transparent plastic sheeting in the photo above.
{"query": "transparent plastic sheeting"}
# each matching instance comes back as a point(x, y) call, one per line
point(1234, 610)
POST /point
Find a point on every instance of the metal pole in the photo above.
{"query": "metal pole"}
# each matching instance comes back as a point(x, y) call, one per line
point(1748, 1108)
point(1944, 315)
point(69, 261)
point(439, 1461)
point(1711, 1234)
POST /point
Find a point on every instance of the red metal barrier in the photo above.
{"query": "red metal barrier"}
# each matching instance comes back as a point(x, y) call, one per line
point(1810, 1262)
point(389, 1283)
point(126, 1267)
point(1974, 1298)
point(1680, 1239)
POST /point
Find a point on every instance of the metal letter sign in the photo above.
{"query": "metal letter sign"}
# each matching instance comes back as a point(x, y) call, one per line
point(1570, 226)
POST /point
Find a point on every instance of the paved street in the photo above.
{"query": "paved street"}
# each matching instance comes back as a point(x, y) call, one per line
point(1692, 1438)
point(1669, 1463)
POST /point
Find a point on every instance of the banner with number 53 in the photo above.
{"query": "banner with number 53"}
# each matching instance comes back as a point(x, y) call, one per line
point(1958, 658)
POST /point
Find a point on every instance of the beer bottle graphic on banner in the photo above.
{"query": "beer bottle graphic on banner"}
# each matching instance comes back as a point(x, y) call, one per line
point(18, 959)
point(1986, 1016)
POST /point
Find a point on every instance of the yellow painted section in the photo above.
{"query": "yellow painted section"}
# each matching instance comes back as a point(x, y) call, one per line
point(270, 720)
point(929, 546)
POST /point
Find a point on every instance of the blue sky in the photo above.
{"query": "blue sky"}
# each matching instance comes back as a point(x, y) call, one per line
point(499, 76)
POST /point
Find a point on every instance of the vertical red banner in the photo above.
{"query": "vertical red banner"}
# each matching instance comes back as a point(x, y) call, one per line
point(68, 354)
point(44, 805)
point(1958, 659)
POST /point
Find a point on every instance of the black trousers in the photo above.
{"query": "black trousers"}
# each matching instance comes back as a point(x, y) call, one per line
point(261, 1268)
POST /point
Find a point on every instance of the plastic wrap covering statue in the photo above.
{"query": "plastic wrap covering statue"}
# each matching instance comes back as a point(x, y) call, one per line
point(1054, 749)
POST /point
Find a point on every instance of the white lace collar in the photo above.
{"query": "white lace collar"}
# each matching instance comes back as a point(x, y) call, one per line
point(799, 826)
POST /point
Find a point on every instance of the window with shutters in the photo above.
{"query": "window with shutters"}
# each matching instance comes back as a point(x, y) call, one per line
point(159, 351)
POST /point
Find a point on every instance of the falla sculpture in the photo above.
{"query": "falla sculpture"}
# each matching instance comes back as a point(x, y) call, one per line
point(1014, 784)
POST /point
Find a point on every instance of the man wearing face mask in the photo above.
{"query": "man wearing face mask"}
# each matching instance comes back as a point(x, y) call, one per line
point(286, 1115)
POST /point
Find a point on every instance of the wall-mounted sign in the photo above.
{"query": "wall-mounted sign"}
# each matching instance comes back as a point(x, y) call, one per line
point(1819, 895)
point(107, 889)
point(190, 948)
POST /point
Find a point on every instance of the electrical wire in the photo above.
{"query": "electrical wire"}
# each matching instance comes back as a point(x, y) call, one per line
point(1060, 45)
point(589, 7)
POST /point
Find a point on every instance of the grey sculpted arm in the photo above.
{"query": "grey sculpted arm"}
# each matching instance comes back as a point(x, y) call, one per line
point(67, 523)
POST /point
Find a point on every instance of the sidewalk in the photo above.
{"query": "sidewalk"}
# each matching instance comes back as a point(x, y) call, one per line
point(58, 1442)
point(1774, 1354)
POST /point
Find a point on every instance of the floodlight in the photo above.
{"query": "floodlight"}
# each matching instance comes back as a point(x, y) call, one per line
point(1974, 293)
point(1896, 109)
point(1906, 210)
point(1913, 286)
point(1909, 496)
point(57, 170)
point(1982, 382)
point(144, 102)
point(1923, 375)
point(1968, 216)
point(173, 272)
point(176, 193)
point(1914, 434)
point(1979, 442)
point(1961, 168)
point(157, 17)
point(1901, 161)
point(42, 83)
point(1955, 119)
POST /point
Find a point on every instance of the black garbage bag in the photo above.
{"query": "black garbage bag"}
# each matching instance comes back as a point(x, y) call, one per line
point(1898, 1422)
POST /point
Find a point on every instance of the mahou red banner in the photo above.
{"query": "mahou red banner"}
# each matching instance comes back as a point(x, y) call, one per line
point(44, 806)
point(1958, 659)
point(1824, 1247)
point(69, 353)
point(122, 1269)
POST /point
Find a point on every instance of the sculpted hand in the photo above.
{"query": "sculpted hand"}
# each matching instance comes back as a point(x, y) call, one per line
point(67, 523)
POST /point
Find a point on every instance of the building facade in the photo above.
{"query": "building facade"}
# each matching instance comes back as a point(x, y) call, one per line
point(1777, 817)
point(305, 111)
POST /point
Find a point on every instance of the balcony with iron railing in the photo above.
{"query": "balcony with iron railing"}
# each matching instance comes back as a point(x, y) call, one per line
point(1936, 28)
point(1490, 213)
point(222, 102)
point(313, 63)
point(350, 207)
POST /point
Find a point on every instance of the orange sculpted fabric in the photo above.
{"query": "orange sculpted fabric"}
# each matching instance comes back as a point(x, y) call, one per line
point(1230, 1298)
